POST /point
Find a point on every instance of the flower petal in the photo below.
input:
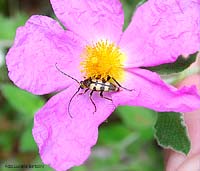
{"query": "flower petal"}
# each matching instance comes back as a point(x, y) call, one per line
point(151, 92)
point(38, 46)
point(91, 19)
point(64, 141)
point(160, 31)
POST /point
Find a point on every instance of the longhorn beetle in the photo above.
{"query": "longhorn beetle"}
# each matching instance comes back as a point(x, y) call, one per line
point(94, 84)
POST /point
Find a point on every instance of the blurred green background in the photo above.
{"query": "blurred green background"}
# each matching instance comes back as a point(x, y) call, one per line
point(126, 141)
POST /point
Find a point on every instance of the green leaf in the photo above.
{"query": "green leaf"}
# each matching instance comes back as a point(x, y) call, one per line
point(179, 65)
point(138, 119)
point(27, 142)
point(129, 7)
point(171, 132)
point(22, 101)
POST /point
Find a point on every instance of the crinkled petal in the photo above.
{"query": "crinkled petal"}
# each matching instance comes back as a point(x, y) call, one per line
point(64, 141)
point(160, 31)
point(151, 92)
point(91, 19)
point(38, 46)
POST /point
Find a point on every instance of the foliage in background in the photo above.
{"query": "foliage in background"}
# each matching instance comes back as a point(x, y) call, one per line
point(126, 140)
point(9, 25)
point(129, 7)
point(2, 6)
point(179, 65)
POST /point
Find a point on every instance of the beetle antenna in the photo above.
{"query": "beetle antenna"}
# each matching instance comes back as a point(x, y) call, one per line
point(67, 74)
point(71, 101)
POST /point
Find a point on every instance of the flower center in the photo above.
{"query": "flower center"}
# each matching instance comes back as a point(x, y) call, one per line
point(103, 59)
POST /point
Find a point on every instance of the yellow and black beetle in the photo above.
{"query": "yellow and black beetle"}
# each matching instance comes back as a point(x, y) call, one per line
point(95, 84)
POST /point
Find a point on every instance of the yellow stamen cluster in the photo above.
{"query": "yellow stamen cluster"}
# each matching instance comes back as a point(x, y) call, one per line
point(103, 59)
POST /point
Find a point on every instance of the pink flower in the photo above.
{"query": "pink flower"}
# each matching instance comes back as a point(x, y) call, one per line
point(93, 45)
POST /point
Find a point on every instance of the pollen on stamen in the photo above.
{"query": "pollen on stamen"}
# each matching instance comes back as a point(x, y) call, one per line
point(103, 59)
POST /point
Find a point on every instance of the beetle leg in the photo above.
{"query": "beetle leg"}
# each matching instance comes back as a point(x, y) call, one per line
point(122, 86)
point(95, 108)
point(108, 78)
point(84, 92)
point(101, 94)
